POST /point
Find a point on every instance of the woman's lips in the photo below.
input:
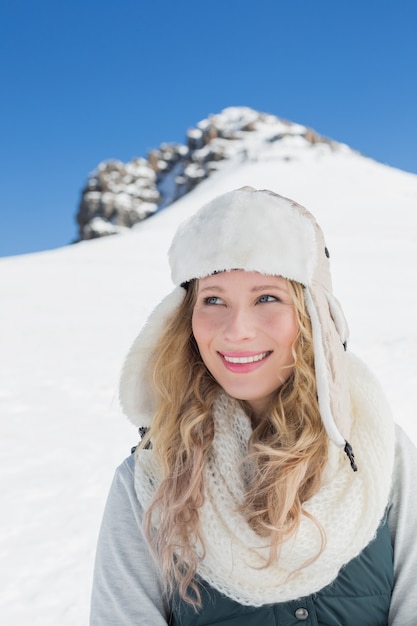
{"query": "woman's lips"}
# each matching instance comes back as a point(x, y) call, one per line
point(245, 358)
point(243, 362)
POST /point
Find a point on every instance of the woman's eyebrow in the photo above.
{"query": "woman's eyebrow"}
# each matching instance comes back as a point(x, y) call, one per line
point(263, 287)
point(254, 289)
point(211, 288)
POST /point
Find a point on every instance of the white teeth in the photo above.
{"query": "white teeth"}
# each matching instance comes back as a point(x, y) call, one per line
point(245, 359)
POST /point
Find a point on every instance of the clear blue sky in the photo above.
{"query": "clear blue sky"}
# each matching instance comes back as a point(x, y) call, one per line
point(86, 80)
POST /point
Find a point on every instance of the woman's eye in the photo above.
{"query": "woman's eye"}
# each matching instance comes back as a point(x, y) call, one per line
point(211, 300)
point(267, 298)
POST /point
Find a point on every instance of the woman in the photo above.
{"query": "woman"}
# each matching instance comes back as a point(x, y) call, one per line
point(270, 485)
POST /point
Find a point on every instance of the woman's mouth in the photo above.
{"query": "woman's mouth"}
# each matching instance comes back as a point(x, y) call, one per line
point(243, 362)
point(254, 358)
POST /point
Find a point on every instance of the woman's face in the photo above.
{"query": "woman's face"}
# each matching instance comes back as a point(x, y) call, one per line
point(245, 325)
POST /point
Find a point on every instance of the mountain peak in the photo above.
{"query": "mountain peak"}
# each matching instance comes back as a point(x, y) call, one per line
point(118, 195)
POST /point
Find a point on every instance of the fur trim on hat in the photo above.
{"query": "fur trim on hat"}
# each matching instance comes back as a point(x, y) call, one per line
point(136, 391)
point(245, 229)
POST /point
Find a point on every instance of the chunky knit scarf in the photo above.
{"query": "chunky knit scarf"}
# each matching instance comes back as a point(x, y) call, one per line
point(349, 506)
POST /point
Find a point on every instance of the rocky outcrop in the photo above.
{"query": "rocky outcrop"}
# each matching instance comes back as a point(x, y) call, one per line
point(118, 195)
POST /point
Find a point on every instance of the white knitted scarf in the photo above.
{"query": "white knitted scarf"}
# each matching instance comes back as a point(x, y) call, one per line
point(349, 505)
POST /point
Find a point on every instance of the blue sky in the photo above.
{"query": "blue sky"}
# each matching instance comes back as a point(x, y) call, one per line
point(85, 81)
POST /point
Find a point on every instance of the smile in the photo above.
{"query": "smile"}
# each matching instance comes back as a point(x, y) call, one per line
point(246, 359)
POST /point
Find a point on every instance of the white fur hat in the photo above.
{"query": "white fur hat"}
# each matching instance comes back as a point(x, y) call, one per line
point(267, 233)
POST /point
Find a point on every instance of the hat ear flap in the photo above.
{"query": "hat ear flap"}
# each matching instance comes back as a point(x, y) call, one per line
point(136, 391)
point(330, 333)
point(338, 318)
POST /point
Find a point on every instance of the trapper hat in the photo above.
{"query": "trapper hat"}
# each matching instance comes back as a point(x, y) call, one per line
point(253, 230)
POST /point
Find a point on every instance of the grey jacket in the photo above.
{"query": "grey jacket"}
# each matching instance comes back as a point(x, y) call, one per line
point(127, 586)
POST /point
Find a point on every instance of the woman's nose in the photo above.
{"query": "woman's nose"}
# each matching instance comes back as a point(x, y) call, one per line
point(239, 326)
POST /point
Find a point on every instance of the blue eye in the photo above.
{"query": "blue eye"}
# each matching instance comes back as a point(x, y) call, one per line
point(267, 298)
point(211, 300)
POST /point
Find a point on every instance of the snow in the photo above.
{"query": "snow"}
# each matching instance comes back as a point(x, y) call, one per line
point(98, 225)
point(68, 317)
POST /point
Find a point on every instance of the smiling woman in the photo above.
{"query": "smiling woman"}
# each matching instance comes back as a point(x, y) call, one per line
point(233, 507)
point(245, 327)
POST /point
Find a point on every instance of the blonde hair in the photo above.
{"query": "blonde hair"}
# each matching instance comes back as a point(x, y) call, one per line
point(288, 448)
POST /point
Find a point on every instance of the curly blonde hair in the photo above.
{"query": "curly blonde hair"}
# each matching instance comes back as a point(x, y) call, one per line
point(288, 448)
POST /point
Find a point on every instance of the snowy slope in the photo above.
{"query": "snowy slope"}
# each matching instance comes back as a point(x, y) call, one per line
point(67, 318)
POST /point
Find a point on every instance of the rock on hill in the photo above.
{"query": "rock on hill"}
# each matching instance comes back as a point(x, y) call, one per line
point(118, 195)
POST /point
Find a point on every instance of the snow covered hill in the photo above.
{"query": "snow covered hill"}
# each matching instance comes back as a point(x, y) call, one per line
point(67, 318)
